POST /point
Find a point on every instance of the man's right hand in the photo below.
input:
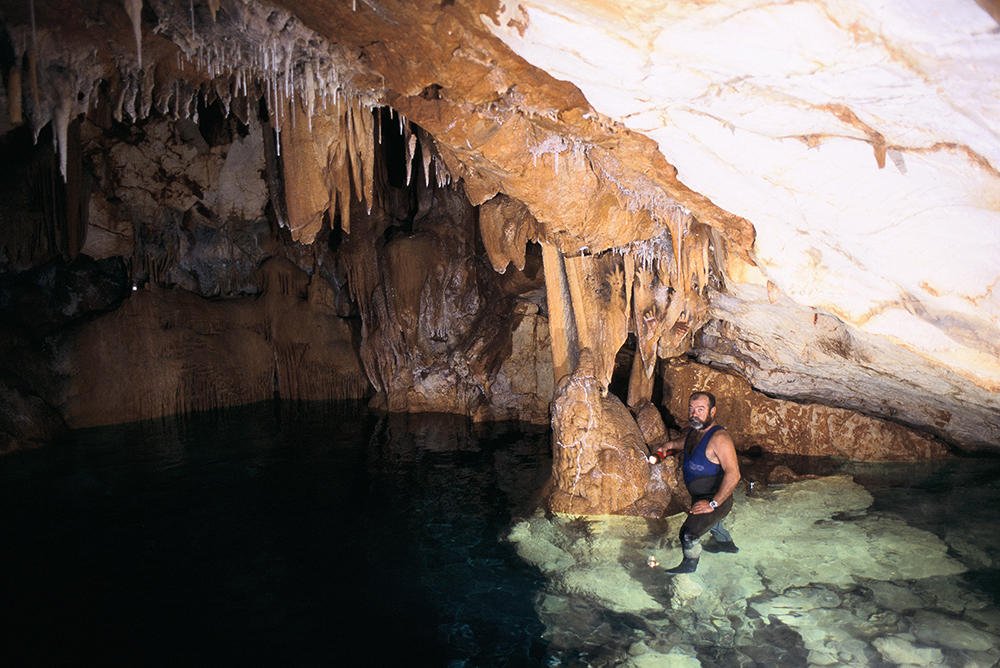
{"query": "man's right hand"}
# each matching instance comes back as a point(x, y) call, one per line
point(662, 454)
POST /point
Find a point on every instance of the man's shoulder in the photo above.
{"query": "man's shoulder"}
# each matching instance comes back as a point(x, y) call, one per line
point(721, 435)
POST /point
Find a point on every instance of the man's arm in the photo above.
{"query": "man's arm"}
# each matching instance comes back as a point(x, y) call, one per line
point(722, 447)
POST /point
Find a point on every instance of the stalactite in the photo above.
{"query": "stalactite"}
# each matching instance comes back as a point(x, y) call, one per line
point(307, 194)
point(39, 115)
point(410, 141)
point(134, 10)
point(425, 153)
point(61, 121)
point(337, 170)
point(14, 87)
point(562, 325)
point(505, 226)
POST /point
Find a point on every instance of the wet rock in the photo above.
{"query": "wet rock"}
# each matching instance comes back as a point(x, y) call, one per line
point(894, 597)
point(818, 579)
point(599, 456)
point(901, 649)
point(937, 629)
point(534, 543)
point(673, 659)
point(781, 475)
point(793, 428)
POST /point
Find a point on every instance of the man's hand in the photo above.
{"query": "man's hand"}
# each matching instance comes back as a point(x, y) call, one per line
point(661, 454)
point(701, 508)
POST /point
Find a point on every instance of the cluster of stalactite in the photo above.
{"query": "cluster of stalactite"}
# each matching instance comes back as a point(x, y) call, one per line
point(321, 156)
point(245, 57)
point(653, 289)
point(231, 52)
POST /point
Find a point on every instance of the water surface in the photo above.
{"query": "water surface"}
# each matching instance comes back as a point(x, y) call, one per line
point(318, 535)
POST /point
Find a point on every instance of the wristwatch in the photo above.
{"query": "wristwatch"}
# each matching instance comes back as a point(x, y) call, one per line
point(713, 504)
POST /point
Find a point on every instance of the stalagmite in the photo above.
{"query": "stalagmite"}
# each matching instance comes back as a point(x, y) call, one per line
point(134, 10)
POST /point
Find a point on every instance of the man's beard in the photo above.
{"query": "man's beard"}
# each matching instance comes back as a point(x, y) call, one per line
point(697, 424)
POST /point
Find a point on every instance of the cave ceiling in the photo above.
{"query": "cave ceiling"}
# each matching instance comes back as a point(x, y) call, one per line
point(845, 154)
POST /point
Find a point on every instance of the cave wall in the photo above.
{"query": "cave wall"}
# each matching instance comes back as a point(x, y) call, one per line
point(786, 427)
point(318, 200)
point(212, 303)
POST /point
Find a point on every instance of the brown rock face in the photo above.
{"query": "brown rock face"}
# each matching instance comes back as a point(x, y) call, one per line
point(599, 456)
point(167, 352)
point(790, 428)
point(651, 426)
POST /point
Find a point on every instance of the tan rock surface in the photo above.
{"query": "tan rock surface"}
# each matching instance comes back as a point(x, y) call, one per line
point(791, 428)
point(167, 352)
point(598, 455)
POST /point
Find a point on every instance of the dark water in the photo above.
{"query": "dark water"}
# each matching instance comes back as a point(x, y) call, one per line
point(331, 536)
point(305, 536)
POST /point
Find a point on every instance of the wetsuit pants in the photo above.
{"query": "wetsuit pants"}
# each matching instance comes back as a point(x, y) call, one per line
point(696, 526)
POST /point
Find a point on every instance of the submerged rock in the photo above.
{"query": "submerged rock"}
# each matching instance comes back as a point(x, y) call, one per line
point(819, 579)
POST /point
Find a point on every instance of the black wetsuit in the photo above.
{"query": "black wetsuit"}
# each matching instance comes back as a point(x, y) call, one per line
point(703, 479)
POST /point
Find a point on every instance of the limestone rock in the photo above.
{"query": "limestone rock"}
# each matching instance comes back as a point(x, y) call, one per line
point(798, 204)
point(170, 352)
point(651, 426)
point(788, 427)
point(899, 650)
point(599, 463)
point(852, 192)
point(522, 389)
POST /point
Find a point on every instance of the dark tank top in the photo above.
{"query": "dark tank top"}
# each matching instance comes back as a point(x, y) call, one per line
point(701, 476)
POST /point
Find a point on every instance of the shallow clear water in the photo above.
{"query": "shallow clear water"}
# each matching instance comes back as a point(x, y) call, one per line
point(319, 535)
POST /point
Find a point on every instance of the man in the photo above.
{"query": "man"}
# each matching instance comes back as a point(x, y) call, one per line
point(711, 473)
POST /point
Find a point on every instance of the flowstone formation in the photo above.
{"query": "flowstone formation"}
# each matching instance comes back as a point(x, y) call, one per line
point(820, 579)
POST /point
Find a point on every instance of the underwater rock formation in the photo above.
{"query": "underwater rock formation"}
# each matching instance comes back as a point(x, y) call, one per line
point(821, 578)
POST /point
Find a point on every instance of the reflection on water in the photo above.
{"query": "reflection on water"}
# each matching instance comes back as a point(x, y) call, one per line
point(318, 536)
point(304, 537)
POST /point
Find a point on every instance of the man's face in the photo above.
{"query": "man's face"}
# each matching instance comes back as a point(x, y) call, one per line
point(699, 413)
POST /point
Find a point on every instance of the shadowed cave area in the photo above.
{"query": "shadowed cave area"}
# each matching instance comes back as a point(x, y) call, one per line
point(343, 332)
